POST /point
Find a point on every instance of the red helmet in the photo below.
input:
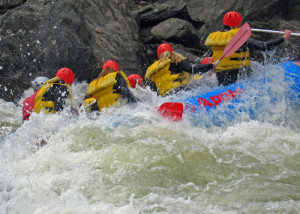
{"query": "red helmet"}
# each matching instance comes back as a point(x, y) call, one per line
point(135, 79)
point(162, 48)
point(66, 75)
point(111, 64)
point(232, 19)
point(207, 60)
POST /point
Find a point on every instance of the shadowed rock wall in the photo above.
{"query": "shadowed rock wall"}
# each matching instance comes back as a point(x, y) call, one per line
point(37, 37)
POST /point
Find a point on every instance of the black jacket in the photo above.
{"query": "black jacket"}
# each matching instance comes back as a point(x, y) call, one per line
point(264, 46)
point(58, 94)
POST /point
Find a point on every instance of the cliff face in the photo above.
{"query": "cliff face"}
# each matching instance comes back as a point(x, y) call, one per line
point(37, 37)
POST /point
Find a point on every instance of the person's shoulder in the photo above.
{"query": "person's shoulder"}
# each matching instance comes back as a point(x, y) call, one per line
point(215, 32)
point(210, 40)
point(154, 64)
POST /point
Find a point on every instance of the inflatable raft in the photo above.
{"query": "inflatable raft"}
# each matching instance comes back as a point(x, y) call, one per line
point(231, 100)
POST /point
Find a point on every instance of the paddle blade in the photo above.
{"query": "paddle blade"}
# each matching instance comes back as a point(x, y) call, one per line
point(237, 40)
point(171, 110)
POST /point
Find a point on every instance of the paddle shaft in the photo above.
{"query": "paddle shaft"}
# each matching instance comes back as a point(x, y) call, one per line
point(273, 31)
point(89, 105)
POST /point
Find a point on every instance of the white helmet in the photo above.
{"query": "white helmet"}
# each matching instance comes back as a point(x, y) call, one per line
point(38, 82)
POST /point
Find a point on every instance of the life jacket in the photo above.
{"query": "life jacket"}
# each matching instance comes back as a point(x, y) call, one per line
point(102, 90)
point(218, 41)
point(47, 106)
point(163, 78)
point(28, 106)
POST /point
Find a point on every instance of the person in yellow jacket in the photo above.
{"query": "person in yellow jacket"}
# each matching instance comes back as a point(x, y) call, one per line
point(237, 64)
point(54, 93)
point(111, 85)
point(172, 71)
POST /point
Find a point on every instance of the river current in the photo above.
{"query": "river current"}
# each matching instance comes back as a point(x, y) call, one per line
point(130, 160)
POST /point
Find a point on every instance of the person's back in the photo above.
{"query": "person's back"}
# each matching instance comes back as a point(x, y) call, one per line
point(237, 64)
point(111, 85)
point(172, 71)
point(53, 95)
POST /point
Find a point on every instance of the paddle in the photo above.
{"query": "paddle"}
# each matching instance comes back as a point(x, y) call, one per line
point(89, 105)
point(237, 41)
point(273, 31)
point(171, 110)
point(174, 110)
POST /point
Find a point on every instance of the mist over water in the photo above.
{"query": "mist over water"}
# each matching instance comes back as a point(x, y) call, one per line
point(130, 160)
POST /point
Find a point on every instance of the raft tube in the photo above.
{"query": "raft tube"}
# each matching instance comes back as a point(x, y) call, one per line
point(231, 96)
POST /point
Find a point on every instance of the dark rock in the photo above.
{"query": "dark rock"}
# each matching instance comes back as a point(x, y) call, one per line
point(6, 5)
point(177, 31)
point(41, 36)
point(153, 14)
point(38, 38)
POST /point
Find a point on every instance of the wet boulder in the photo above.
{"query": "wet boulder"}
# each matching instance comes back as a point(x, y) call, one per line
point(39, 37)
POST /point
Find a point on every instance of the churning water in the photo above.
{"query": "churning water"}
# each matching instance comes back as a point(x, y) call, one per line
point(129, 160)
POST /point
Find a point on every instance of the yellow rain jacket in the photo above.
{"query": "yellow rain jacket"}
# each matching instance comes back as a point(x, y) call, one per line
point(164, 80)
point(102, 90)
point(47, 106)
point(218, 41)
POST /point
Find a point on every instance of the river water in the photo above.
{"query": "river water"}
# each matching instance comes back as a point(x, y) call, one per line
point(130, 160)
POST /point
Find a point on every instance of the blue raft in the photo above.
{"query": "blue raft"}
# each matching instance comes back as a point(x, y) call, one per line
point(248, 97)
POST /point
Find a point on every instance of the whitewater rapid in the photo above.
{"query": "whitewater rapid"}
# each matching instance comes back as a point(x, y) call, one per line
point(130, 160)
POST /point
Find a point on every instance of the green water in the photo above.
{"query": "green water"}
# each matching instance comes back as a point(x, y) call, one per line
point(128, 160)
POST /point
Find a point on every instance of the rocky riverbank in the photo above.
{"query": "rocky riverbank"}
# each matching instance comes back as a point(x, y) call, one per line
point(37, 37)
